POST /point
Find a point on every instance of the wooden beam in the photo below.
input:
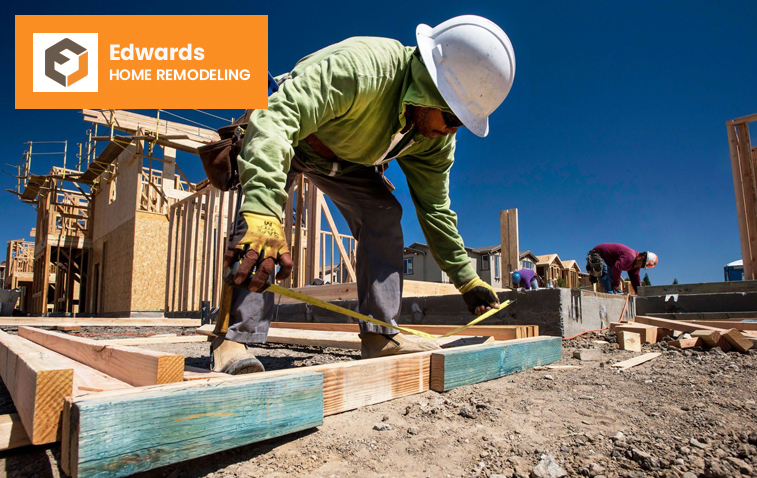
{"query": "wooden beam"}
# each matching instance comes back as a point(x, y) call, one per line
point(709, 337)
point(508, 229)
point(96, 322)
point(38, 383)
point(466, 365)
point(348, 340)
point(176, 339)
point(673, 324)
point(629, 341)
point(685, 343)
point(339, 245)
point(158, 426)
point(737, 340)
point(134, 366)
point(12, 433)
point(647, 333)
point(727, 324)
point(498, 332)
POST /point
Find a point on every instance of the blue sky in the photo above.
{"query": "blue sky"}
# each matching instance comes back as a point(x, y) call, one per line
point(614, 130)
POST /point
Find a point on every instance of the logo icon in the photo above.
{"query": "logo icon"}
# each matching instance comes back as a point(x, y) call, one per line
point(54, 55)
point(64, 62)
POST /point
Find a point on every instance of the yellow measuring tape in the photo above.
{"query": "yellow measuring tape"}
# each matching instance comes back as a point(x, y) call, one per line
point(277, 289)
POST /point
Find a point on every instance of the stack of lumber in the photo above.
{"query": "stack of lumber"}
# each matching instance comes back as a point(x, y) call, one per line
point(120, 410)
point(728, 335)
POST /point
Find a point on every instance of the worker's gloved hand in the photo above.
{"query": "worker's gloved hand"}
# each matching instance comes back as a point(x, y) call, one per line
point(261, 242)
point(479, 296)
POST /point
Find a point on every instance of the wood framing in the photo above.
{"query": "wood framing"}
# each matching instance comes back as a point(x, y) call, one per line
point(466, 365)
point(137, 367)
point(497, 332)
point(157, 426)
point(744, 167)
point(96, 322)
point(38, 384)
point(508, 230)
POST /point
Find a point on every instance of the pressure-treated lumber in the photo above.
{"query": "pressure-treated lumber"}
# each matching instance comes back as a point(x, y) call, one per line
point(134, 366)
point(115, 435)
point(632, 362)
point(12, 433)
point(95, 322)
point(629, 341)
point(709, 337)
point(38, 383)
point(456, 367)
point(349, 340)
point(498, 332)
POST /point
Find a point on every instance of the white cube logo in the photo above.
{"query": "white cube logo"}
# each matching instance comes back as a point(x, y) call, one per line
point(64, 62)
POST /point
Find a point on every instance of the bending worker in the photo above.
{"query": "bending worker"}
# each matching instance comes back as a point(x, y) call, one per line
point(526, 278)
point(341, 115)
point(606, 262)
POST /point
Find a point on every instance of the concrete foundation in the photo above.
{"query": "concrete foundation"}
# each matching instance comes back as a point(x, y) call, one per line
point(557, 312)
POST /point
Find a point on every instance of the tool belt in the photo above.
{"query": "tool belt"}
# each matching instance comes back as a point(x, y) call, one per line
point(219, 158)
point(594, 264)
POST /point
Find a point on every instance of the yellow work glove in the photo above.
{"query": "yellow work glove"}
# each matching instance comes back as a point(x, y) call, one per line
point(261, 243)
point(479, 296)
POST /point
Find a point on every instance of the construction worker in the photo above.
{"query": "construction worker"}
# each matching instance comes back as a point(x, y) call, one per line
point(340, 116)
point(605, 263)
point(525, 278)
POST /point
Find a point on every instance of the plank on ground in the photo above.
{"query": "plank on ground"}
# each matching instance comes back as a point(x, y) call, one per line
point(96, 322)
point(349, 340)
point(38, 384)
point(685, 343)
point(175, 339)
point(456, 367)
point(12, 433)
point(735, 338)
point(137, 367)
point(647, 333)
point(119, 434)
point(499, 332)
point(632, 362)
point(728, 324)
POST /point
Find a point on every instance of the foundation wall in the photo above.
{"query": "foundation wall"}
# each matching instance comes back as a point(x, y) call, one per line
point(680, 304)
point(557, 312)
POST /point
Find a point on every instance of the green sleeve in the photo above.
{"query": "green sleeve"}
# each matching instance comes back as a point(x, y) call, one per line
point(428, 179)
point(317, 95)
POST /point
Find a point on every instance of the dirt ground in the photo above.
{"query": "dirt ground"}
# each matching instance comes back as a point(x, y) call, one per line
point(688, 413)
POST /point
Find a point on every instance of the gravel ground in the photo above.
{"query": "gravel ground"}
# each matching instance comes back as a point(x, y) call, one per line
point(685, 414)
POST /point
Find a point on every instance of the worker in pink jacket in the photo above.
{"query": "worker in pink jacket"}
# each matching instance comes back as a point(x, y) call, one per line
point(606, 262)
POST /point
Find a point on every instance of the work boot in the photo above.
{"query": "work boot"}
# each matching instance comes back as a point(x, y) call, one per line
point(380, 345)
point(227, 356)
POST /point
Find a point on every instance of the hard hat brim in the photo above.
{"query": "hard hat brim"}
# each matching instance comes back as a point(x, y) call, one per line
point(478, 126)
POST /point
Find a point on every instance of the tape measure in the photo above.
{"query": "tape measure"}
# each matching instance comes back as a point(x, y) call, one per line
point(277, 289)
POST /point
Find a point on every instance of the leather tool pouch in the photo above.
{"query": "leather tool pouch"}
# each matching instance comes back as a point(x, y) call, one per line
point(219, 158)
point(594, 264)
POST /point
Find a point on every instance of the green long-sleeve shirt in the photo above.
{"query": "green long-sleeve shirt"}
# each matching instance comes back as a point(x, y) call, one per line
point(352, 97)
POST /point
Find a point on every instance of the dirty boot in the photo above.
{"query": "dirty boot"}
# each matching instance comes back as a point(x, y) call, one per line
point(227, 356)
point(380, 345)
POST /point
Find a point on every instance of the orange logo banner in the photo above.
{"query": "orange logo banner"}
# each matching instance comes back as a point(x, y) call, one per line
point(141, 61)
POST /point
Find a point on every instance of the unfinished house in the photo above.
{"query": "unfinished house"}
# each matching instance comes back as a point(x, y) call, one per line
point(550, 268)
point(571, 274)
point(19, 269)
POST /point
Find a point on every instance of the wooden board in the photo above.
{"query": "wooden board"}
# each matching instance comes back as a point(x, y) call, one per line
point(709, 337)
point(510, 258)
point(647, 333)
point(629, 341)
point(632, 362)
point(727, 324)
point(466, 365)
point(673, 324)
point(134, 366)
point(348, 291)
point(176, 339)
point(685, 343)
point(737, 340)
point(12, 433)
point(499, 332)
point(38, 383)
point(95, 322)
point(121, 434)
point(349, 340)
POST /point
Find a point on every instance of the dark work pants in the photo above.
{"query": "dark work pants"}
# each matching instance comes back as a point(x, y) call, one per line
point(373, 215)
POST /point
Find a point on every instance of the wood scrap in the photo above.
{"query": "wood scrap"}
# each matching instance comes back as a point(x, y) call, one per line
point(737, 340)
point(137, 367)
point(685, 343)
point(629, 341)
point(709, 337)
point(499, 332)
point(626, 364)
point(647, 333)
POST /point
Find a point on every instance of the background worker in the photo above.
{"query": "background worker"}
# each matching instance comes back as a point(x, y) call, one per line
point(526, 278)
point(606, 262)
point(342, 113)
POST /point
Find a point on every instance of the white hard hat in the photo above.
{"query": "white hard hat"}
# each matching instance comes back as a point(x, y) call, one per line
point(472, 63)
point(651, 260)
